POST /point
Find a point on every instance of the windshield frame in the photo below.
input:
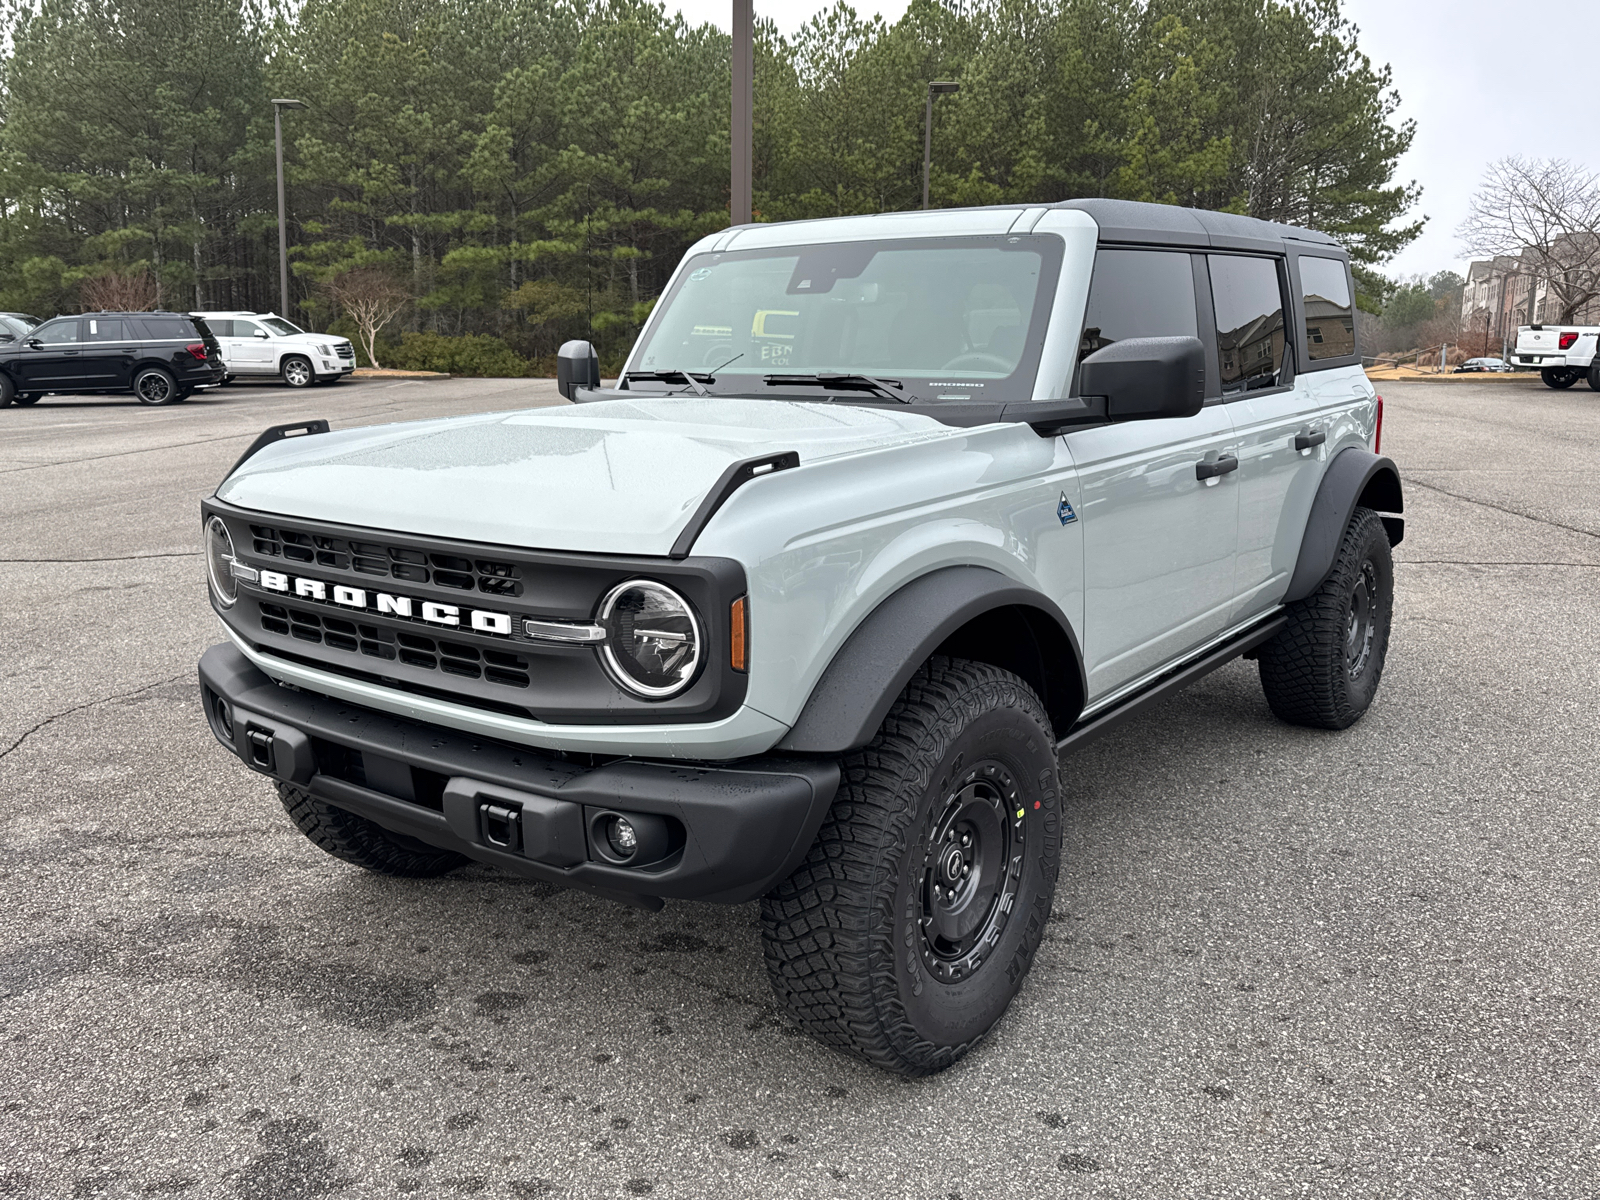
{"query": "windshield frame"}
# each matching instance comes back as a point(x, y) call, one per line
point(952, 389)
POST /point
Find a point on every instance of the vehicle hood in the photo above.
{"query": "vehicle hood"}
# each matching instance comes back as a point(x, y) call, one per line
point(615, 476)
point(312, 339)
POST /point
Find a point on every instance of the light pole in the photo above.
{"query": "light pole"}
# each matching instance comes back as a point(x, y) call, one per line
point(938, 88)
point(740, 200)
point(283, 229)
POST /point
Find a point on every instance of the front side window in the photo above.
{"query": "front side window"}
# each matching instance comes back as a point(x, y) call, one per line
point(1138, 293)
point(1330, 316)
point(950, 318)
point(54, 333)
point(246, 329)
point(1250, 329)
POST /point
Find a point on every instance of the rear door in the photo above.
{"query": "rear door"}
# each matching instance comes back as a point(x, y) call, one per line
point(52, 357)
point(1159, 542)
point(1288, 383)
point(108, 347)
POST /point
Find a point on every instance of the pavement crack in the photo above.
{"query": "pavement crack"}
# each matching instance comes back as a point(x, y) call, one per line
point(114, 558)
point(67, 712)
point(1432, 487)
point(1463, 562)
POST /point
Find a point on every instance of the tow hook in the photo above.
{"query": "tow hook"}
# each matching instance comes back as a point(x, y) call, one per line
point(502, 826)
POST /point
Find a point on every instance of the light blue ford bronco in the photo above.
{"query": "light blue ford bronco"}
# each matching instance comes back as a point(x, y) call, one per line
point(883, 515)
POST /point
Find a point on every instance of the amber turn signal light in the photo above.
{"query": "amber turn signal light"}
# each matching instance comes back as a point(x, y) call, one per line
point(739, 638)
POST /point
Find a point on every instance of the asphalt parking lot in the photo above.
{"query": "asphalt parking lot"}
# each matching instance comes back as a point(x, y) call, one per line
point(1281, 962)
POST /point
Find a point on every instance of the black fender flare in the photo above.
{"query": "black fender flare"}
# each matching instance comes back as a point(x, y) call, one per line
point(1355, 478)
point(871, 669)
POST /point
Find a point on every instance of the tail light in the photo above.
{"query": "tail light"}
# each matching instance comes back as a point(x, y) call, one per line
point(1567, 339)
point(197, 349)
point(1377, 430)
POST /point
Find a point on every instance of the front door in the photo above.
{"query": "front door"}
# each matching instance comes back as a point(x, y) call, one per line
point(1159, 539)
point(52, 358)
point(252, 351)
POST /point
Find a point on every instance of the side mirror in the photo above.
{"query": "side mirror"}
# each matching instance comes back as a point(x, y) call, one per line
point(262, 334)
point(33, 343)
point(1146, 379)
point(577, 366)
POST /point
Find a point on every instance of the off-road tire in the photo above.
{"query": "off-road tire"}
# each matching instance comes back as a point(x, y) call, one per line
point(298, 372)
point(154, 387)
point(362, 842)
point(844, 939)
point(1559, 377)
point(1308, 670)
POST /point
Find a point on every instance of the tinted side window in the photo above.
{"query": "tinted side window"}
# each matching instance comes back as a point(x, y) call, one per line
point(246, 329)
point(1250, 329)
point(1330, 319)
point(107, 329)
point(1138, 293)
point(219, 326)
point(168, 328)
point(56, 332)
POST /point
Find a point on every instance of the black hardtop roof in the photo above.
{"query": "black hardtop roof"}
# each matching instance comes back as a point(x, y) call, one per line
point(1170, 224)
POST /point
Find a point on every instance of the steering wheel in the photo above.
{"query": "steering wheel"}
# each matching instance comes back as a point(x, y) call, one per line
point(976, 360)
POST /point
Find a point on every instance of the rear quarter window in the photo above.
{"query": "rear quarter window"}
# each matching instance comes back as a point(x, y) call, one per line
point(1330, 313)
point(168, 328)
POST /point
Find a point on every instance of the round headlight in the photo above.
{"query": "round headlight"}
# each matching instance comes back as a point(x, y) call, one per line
point(653, 643)
point(219, 562)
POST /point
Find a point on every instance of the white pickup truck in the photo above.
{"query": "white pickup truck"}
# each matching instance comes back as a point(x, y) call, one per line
point(1563, 354)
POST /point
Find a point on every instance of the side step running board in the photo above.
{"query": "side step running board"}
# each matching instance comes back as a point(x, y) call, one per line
point(1086, 731)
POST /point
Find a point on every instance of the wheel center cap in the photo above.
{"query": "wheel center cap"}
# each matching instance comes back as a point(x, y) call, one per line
point(953, 862)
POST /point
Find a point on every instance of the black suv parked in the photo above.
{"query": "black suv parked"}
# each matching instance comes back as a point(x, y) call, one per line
point(160, 357)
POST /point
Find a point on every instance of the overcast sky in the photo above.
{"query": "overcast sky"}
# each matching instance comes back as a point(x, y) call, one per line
point(1475, 94)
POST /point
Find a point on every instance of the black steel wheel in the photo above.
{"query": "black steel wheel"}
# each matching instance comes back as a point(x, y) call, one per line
point(1559, 377)
point(154, 387)
point(913, 921)
point(1323, 669)
point(297, 372)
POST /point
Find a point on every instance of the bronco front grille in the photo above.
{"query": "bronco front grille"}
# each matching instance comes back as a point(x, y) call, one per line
point(484, 575)
point(431, 654)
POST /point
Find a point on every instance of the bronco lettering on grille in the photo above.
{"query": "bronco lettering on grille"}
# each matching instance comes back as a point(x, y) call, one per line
point(382, 603)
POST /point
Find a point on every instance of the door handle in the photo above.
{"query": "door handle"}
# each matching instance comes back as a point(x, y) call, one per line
point(1210, 468)
point(69, 353)
point(1304, 441)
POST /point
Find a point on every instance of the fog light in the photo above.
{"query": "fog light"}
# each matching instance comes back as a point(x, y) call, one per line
point(224, 717)
point(623, 837)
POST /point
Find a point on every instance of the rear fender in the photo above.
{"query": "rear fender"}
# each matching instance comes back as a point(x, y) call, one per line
point(1354, 479)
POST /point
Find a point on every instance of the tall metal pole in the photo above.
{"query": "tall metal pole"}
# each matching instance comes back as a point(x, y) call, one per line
point(283, 228)
point(741, 188)
point(927, 146)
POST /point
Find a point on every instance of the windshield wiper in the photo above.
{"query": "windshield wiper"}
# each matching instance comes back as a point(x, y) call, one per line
point(689, 377)
point(890, 388)
point(692, 378)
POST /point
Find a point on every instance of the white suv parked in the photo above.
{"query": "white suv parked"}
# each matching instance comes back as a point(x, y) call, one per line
point(266, 344)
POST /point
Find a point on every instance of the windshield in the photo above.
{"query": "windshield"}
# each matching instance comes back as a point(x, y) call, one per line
point(17, 323)
point(279, 326)
point(950, 318)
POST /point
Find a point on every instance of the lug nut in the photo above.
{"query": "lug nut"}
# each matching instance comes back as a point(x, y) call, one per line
point(966, 839)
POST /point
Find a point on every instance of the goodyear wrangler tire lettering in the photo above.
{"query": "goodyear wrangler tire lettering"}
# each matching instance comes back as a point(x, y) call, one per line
point(898, 938)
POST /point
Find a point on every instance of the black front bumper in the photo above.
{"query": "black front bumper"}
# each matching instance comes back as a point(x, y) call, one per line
point(731, 831)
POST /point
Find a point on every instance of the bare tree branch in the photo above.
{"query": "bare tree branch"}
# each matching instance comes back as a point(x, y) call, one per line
point(1548, 212)
point(372, 297)
point(119, 291)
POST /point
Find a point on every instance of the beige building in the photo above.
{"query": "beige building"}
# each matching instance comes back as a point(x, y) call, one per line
point(1496, 299)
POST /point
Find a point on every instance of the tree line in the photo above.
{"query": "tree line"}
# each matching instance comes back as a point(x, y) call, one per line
point(531, 170)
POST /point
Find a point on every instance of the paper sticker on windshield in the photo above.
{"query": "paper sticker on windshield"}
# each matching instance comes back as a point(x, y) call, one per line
point(700, 274)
